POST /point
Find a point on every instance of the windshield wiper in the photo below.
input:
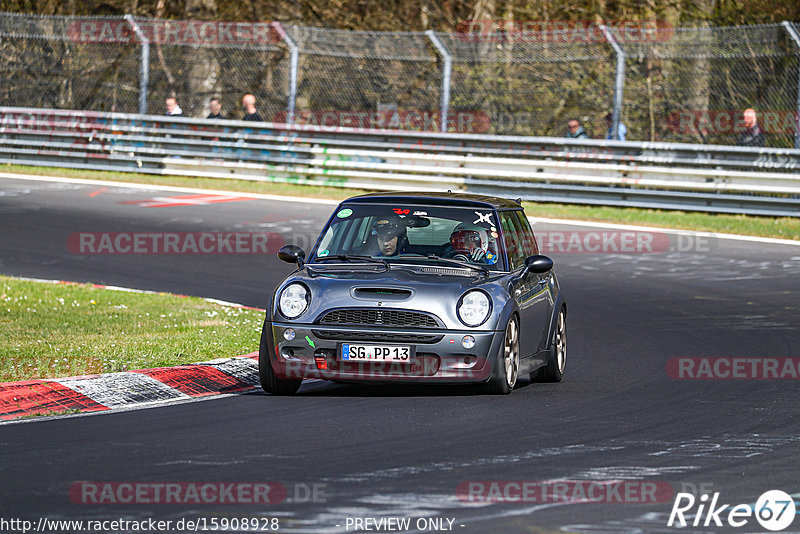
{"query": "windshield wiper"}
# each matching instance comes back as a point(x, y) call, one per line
point(458, 263)
point(352, 258)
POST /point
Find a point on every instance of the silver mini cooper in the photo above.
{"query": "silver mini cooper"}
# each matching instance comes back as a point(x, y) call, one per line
point(417, 287)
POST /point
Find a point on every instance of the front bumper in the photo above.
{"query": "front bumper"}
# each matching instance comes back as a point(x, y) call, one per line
point(314, 352)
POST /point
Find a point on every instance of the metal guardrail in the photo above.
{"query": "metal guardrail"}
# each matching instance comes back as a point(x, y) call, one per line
point(711, 178)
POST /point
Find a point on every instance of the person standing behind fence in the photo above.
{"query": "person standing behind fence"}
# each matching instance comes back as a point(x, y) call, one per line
point(173, 109)
point(752, 135)
point(216, 109)
point(622, 129)
point(249, 105)
point(575, 130)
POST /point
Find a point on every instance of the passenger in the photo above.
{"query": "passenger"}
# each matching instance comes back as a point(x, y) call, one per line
point(470, 242)
point(391, 236)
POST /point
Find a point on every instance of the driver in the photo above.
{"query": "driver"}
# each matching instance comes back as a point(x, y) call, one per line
point(474, 243)
point(390, 235)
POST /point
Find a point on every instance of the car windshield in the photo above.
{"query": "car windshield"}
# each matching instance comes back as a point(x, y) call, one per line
point(414, 233)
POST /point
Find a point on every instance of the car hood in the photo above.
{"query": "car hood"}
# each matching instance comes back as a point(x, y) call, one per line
point(400, 287)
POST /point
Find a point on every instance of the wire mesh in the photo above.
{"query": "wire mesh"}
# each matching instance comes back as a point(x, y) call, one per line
point(193, 74)
point(693, 85)
point(194, 61)
point(686, 85)
point(367, 79)
point(530, 84)
point(44, 63)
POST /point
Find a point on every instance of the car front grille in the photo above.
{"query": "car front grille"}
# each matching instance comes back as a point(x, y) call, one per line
point(379, 317)
point(386, 337)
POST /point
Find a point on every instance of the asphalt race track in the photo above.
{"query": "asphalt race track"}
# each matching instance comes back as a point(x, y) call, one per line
point(344, 452)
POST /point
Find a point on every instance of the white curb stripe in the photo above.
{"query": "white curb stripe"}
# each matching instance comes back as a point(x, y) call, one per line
point(122, 389)
point(245, 369)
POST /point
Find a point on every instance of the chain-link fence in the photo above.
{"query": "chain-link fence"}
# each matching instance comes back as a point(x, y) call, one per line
point(366, 79)
point(692, 85)
point(686, 85)
point(43, 65)
point(528, 85)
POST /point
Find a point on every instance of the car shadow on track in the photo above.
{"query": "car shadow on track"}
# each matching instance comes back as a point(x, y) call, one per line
point(325, 388)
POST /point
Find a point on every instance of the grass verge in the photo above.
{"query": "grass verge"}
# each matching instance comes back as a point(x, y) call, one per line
point(55, 330)
point(777, 227)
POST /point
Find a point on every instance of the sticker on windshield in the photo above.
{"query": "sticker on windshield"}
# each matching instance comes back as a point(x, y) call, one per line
point(491, 259)
point(345, 213)
point(483, 217)
point(323, 253)
point(420, 213)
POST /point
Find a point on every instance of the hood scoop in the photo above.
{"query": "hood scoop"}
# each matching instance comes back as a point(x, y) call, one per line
point(382, 293)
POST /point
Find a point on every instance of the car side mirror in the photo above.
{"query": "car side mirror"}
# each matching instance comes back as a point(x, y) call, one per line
point(292, 254)
point(538, 264)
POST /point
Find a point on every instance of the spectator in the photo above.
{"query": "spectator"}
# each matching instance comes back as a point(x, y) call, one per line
point(753, 135)
point(173, 109)
point(622, 130)
point(575, 130)
point(249, 105)
point(216, 107)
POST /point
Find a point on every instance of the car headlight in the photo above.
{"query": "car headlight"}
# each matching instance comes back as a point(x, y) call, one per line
point(294, 300)
point(474, 307)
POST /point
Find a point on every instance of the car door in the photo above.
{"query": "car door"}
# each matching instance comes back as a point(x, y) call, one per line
point(531, 291)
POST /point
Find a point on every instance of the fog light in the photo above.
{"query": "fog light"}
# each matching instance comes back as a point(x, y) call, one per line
point(288, 334)
point(467, 342)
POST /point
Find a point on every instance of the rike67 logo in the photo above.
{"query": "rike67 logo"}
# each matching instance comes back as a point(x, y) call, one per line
point(774, 510)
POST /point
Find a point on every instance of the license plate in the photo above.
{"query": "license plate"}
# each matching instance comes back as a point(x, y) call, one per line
point(376, 353)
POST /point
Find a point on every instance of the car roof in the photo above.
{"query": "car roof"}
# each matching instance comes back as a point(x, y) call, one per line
point(435, 199)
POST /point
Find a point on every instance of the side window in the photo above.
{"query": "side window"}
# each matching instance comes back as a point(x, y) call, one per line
point(514, 239)
point(529, 244)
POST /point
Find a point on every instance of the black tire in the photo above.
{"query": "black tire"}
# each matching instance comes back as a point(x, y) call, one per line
point(269, 382)
point(506, 365)
point(554, 370)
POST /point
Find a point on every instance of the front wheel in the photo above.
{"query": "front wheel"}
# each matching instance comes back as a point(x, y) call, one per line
point(506, 366)
point(554, 370)
point(269, 382)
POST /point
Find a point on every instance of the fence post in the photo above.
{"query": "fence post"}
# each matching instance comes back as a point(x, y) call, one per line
point(796, 39)
point(447, 71)
point(144, 64)
point(619, 82)
point(294, 53)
